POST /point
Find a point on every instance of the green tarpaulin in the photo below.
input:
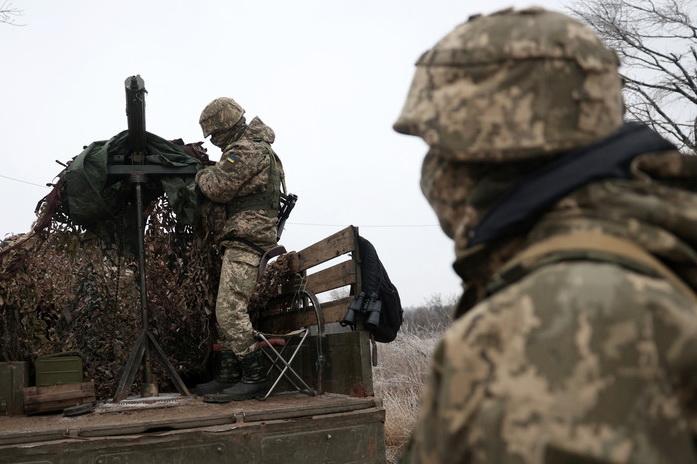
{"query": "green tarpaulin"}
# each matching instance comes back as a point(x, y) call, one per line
point(105, 204)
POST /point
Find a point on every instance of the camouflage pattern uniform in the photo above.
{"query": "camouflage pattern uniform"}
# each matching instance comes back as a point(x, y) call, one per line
point(583, 361)
point(243, 187)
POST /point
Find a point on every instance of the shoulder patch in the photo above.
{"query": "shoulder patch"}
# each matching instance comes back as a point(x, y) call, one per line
point(231, 157)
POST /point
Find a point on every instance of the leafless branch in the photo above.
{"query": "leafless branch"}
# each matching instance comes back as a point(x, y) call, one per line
point(656, 41)
point(9, 14)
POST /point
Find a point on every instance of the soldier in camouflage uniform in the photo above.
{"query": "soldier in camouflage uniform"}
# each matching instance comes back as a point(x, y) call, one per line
point(583, 357)
point(244, 189)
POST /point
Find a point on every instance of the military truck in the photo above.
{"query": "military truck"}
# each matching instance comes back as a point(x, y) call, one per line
point(339, 420)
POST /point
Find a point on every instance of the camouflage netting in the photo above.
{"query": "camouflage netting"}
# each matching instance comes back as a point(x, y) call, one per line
point(62, 290)
point(277, 276)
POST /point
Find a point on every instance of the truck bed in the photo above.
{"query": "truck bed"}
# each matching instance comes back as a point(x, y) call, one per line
point(287, 428)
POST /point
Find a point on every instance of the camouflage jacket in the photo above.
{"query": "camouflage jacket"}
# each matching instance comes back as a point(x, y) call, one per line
point(545, 371)
point(243, 170)
point(584, 361)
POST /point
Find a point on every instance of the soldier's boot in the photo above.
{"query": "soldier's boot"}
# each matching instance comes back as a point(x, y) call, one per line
point(227, 374)
point(253, 382)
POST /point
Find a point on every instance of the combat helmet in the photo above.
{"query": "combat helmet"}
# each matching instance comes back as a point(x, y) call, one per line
point(220, 114)
point(514, 85)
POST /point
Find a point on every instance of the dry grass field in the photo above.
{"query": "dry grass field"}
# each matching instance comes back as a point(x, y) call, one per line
point(403, 367)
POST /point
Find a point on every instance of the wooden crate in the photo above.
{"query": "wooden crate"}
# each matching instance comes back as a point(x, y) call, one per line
point(57, 397)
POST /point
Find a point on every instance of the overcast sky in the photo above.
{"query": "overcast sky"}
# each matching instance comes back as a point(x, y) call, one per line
point(329, 77)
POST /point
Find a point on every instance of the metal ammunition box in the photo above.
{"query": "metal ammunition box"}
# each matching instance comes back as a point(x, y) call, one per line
point(13, 379)
point(58, 369)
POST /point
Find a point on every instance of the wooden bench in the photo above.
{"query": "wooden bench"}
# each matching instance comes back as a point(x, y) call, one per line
point(346, 273)
point(347, 354)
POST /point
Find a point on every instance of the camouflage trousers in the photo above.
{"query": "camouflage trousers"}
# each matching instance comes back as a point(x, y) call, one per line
point(238, 278)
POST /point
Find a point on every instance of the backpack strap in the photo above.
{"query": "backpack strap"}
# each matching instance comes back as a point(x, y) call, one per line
point(609, 158)
point(586, 245)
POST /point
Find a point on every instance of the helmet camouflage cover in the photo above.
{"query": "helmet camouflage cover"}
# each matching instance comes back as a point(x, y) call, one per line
point(514, 85)
point(220, 114)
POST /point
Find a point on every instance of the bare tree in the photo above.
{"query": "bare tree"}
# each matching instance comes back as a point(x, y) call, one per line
point(9, 14)
point(656, 41)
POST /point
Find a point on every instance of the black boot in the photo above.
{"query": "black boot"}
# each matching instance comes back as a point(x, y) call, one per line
point(227, 374)
point(253, 381)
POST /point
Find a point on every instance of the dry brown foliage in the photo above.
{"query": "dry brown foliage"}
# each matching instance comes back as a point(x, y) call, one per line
point(403, 368)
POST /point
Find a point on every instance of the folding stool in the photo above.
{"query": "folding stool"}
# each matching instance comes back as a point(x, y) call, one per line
point(270, 342)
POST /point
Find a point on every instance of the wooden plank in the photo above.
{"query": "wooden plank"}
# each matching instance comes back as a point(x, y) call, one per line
point(144, 426)
point(342, 405)
point(57, 392)
point(336, 307)
point(31, 436)
point(283, 322)
point(337, 276)
point(191, 414)
point(335, 245)
point(57, 397)
point(352, 436)
point(304, 410)
point(279, 307)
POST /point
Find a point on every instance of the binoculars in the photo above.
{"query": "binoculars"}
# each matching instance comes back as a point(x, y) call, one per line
point(365, 308)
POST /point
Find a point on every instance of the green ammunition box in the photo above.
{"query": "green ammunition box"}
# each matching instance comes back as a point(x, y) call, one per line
point(58, 369)
point(13, 379)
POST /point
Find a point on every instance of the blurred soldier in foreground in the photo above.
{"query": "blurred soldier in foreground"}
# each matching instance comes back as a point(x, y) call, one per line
point(576, 240)
point(244, 188)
